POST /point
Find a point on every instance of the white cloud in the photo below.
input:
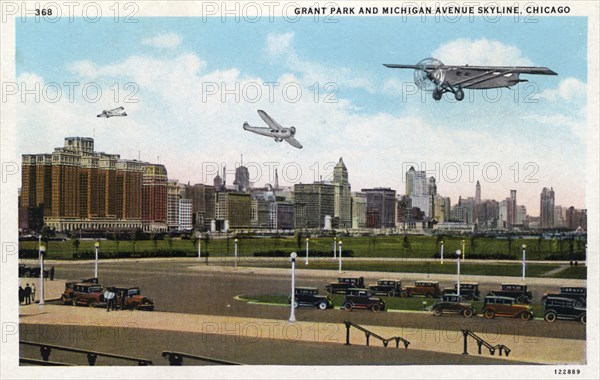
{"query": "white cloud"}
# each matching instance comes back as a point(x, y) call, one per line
point(280, 48)
point(568, 89)
point(163, 41)
point(480, 52)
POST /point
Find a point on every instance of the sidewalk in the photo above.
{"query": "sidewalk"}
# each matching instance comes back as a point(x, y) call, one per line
point(530, 349)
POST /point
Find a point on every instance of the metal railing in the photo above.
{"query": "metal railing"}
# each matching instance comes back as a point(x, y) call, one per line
point(369, 334)
point(46, 350)
point(176, 358)
point(481, 343)
point(40, 362)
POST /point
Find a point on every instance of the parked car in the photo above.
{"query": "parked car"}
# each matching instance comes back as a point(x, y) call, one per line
point(453, 303)
point(83, 293)
point(422, 288)
point(505, 307)
point(357, 298)
point(391, 288)
point(130, 297)
point(27, 271)
point(574, 292)
point(310, 297)
point(468, 290)
point(564, 308)
point(517, 291)
point(345, 283)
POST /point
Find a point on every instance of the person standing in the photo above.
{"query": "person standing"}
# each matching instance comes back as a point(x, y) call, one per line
point(109, 295)
point(21, 295)
point(27, 294)
point(33, 292)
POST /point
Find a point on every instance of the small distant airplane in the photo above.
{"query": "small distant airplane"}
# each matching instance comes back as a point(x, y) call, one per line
point(274, 130)
point(432, 75)
point(120, 111)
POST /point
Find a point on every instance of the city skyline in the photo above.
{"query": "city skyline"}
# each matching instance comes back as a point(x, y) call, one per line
point(373, 124)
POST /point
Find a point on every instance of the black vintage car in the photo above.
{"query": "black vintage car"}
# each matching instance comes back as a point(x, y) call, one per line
point(130, 297)
point(345, 283)
point(357, 298)
point(453, 303)
point(518, 292)
point(391, 288)
point(468, 290)
point(574, 292)
point(310, 297)
point(564, 308)
point(34, 271)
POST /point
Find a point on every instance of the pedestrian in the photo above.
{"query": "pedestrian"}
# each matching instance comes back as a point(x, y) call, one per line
point(123, 299)
point(51, 274)
point(109, 295)
point(21, 295)
point(27, 294)
point(32, 292)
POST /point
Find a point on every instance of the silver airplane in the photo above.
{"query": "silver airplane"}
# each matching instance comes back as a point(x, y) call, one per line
point(432, 75)
point(274, 130)
point(120, 111)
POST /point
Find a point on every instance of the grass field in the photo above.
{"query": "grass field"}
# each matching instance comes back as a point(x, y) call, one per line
point(415, 247)
point(392, 303)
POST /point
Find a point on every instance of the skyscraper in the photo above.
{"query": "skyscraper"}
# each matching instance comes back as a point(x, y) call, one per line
point(477, 193)
point(381, 207)
point(511, 209)
point(417, 189)
point(547, 208)
point(313, 202)
point(75, 188)
point(154, 197)
point(342, 198)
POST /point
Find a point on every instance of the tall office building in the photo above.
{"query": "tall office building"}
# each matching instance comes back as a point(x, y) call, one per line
point(234, 207)
point(511, 212)
point(242, 179)
point(76, 188)
point(417, 189)
point(359, 210)
point(203, 204)
point(185, 214)
point(174, 196)
point(154, 197)
point(547, 208)
point(342, 198)
point(381, 207)
point(576, 218)
point(477, 193)
point(313, 202)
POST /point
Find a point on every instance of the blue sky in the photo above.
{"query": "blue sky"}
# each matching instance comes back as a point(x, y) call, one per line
point(540, 126)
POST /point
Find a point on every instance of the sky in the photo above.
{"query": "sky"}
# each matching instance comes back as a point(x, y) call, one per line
point(188, 85)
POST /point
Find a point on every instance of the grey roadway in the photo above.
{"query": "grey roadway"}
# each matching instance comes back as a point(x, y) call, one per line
point(186, 286)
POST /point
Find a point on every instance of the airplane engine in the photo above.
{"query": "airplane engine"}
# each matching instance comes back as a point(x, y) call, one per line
point(293, 130)
point(429, 75)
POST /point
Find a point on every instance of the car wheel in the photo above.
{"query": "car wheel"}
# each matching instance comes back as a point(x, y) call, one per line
point(437, 311)
point(521, 299)
point(92, 304)
point(74, 302)
point(489, 314)
point(391, 293)
point(295, 304)
point(27, 274)
point(328, 290)
point(322, 305)
point(429, 295)
point(404, 294)
point(348, 306)
point(550, 316)
point(375, 308)
point(584, 319)
point(526, 316)
point(467, 313)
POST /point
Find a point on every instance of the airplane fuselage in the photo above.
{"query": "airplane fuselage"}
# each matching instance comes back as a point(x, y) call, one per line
point(475, 80)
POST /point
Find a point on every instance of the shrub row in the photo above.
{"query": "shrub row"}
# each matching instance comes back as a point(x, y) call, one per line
point(280, 253)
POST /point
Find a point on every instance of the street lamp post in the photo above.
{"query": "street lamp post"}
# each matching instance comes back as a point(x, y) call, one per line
point(340, 257)
point(463, 249)
point(306, 262)
point(235, 253)
point(524, 247)
point(293, 256)
point(442, 252)
point(333, 248)
point(96, 247)
point(199, 246)
point(458, 272)
point(42, 249)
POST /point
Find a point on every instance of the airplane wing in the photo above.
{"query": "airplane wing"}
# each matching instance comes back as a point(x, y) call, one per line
point(102, 115)
point(117, 109)
point(507, 69)
point(293, 142)
point(264, 131)
point(270, 122)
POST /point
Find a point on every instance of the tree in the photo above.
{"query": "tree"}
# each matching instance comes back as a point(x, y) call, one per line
point(169, 241)
point(510, 243)
point(75, 243)
point(154, 239)
point(194, 240)
point(133, 238)
point(473, 243)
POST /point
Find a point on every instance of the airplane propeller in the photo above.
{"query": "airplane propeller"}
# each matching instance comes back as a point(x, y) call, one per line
point(429, 76)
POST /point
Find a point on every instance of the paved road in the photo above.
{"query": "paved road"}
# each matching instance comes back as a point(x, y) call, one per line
point(184, 286)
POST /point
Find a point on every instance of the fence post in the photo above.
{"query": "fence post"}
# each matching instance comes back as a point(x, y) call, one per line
point(45, 352)
point(91, 357)
point(465, 335)
point(347, 333)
